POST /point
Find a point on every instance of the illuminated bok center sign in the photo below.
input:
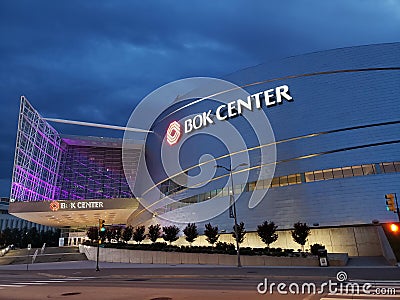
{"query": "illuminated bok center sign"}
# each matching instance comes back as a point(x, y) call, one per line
point(71, 205)
point(232, 109)
point(173, 133)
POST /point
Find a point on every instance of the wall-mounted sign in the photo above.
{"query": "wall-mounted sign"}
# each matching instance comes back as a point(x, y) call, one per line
point(54, 205)
point(173, 133)
point(71, 205)
point(230, 110)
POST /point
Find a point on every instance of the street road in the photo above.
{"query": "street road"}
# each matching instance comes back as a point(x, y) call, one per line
point(176, 282)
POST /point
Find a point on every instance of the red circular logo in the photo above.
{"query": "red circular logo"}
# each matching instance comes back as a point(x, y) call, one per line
point(54, 205)
point(173, 133)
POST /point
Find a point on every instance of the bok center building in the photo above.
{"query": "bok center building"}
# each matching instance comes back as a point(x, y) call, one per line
point(335, 119)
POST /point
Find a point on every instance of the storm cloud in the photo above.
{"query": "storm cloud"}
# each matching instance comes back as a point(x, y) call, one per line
point(95, 60)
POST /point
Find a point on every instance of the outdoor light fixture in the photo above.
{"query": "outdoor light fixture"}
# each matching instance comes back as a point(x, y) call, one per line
point(394, 227)
point(233, 207)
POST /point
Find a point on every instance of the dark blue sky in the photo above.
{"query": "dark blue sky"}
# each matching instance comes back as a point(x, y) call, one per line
point(94, 60)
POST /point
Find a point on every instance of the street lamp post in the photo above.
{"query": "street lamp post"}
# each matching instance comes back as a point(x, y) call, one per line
point(230, 170)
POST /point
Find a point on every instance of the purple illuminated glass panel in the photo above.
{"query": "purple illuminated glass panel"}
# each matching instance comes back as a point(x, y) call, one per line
point(37, 155)
point(46, 167)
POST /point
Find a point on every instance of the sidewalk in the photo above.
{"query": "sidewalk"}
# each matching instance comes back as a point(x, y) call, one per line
point(359, 262)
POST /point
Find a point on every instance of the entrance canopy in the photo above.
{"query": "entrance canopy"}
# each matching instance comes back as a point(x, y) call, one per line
point(75, 213)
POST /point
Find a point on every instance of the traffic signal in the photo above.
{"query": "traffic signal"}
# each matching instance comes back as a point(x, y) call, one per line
point(102, 227)
point(390, 202)
point(394, 227)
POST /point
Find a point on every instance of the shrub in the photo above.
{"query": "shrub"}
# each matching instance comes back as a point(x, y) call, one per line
point(225, 247)
point(267, 232)
point(170, 233)
point(191, 232)
point(246, 251)
point(154, 232)
point(159, 246)
point(211, 233)
point(314, 248)
point(138, 234)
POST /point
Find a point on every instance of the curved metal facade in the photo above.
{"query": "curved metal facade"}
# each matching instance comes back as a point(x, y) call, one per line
point(346, 120)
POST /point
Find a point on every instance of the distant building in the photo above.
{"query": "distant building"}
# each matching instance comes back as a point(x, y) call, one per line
point(4, 199)
point(10, 221)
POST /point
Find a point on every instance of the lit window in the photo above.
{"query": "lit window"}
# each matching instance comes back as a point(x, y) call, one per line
point(347, 172)
point(337, 173)
point(292, 179)
point(283, 180)
point(328, 174)
point(298, 178)
point(318, 175)
point(238, 189)
point(388, 167)
point(252, 186)
point(368, 169)
point(202, 197)
point(263, 184)
point(357, 170)
point(275, 182)
point(309, 176)
point(225, 191)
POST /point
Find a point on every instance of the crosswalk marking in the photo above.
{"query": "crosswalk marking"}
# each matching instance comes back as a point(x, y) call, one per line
point(49, 281)
point(11, 285)
point(77, 278)
point(336, 298)
point(41, 282)
point(29, 283)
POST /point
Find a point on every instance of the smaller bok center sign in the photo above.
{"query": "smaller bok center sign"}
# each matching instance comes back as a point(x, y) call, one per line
point(72, 205)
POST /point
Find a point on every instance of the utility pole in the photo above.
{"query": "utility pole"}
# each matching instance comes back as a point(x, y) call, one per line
point(98, 246)
point(233, 205)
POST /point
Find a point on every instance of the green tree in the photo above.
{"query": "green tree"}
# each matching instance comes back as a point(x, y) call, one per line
point(154, 232)
point(2, 239)
point(241, 232)
point(8, 237)
point(267, 232)
point(138, 234)
point(50, 237)
point(25, 239)
point(300, 233)
point(109, 234)
point(127, 233)
point(170, 233)
point(33, 237)
point(191, 232)
point(117, 232)
point(15, 236)
point(92, 233)
point(211, 233)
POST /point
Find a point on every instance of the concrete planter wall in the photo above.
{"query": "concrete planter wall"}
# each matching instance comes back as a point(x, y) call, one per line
point(176, 258)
